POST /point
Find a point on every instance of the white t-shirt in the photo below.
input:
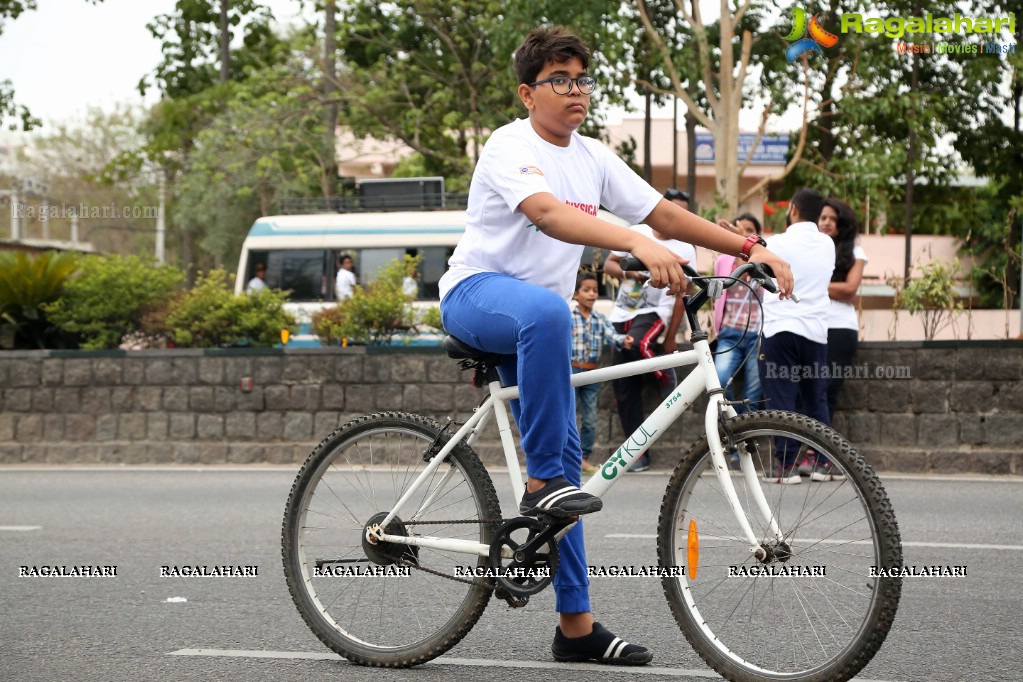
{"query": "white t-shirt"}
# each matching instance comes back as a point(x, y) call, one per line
point(345, 284)
point(636, 298)
point(842, 314)
point(811, 254)
point(255, 284)
point(515, 164)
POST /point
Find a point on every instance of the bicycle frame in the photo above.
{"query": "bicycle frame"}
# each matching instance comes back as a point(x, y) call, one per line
point(703, 379)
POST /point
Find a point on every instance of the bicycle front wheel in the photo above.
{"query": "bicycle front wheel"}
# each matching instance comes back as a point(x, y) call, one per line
point(815, 608)
point(387, 605)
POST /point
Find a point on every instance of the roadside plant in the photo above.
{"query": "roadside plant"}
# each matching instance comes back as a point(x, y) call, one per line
point(933, 296)
point(210, 315)
point(110, 298)
point(27, 283)
point(376, 313)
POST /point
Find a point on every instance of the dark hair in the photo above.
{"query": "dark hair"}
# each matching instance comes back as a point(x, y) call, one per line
point(673, 193)
point(809, 203)
point(752, 218)
point(546, 44)
point(845, 240)
point(260, 266)
point(582, 277)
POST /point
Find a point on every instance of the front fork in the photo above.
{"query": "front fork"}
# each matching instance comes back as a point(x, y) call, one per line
point(718, 411)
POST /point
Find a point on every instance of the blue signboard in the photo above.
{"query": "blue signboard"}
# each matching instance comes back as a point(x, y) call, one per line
point(772, 148)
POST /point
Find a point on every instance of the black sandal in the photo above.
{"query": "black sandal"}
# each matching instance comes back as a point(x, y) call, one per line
point(559, 499)
point(600, 646)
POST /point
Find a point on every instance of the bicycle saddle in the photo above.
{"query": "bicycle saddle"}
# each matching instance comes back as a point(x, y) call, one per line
point(460, 350)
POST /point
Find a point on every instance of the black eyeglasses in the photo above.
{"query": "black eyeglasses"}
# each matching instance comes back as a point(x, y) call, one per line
point(562, 85)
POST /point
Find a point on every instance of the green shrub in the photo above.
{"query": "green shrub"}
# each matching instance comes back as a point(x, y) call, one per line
point(210, 315)
point(430, 317)
point(375, 313)
point(933, 296)
point(27, 282)
point(111, 297)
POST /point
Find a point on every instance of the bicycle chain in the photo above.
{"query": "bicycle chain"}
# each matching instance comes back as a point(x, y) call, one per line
point(489, 584)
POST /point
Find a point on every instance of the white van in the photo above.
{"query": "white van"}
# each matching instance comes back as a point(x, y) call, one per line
point(301, 254)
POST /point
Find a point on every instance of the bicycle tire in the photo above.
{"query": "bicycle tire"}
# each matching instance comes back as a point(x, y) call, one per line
point(358, 471)
point(782, 627)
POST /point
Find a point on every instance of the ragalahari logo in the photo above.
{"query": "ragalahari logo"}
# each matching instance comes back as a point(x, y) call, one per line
point(818, 36)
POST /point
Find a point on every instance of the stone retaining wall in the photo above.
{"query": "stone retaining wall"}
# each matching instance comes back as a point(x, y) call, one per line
point(959, 410)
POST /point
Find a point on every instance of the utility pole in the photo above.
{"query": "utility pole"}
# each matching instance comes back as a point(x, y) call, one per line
point(160, 224)
point(15, 225)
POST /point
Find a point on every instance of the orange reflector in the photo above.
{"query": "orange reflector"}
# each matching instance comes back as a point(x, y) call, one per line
point(692, 550)
point(285, 336)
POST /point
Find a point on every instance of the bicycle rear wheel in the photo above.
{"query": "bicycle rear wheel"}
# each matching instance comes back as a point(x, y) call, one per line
point(813, 610)
point(353, 478)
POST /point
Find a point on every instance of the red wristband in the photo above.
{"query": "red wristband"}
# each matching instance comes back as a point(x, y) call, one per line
point(748, 245)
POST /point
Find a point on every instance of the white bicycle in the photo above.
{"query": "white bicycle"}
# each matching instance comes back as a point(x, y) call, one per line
point(394, 541)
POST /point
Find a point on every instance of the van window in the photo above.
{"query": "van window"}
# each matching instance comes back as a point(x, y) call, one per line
point(303, 272)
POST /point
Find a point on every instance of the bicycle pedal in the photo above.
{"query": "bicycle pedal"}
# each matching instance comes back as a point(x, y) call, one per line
point(550, 521)
point(514, 601)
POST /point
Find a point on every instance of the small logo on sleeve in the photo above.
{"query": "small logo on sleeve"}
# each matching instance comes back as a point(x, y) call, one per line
point(530, 170)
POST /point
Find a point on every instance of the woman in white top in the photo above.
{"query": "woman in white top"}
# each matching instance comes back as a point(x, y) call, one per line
point(839, 222)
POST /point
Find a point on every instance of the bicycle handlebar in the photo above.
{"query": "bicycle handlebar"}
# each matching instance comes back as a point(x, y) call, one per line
point(758, 271)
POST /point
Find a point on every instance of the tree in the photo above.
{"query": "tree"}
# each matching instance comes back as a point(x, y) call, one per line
point(993, 146)
point(191, 78)
point(438, 76)
point(723, 74)
point(267, 143)
point(424, 73)
point(115, 205)
point(883, 118)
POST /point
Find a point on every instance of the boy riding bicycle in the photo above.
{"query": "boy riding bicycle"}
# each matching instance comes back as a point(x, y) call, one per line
point(532, 204)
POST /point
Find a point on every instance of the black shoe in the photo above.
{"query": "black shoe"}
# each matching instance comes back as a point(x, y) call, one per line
point(601, 646)
point(560, 499)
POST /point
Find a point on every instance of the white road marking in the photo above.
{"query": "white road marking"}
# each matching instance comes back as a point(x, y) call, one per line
point(926, 545)
point(20, 528)
point(464, 662)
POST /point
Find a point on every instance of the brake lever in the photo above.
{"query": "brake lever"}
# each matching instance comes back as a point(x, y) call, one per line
point(766, 279)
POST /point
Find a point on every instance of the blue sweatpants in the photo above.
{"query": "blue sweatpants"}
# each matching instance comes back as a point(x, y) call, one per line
point(532, 327)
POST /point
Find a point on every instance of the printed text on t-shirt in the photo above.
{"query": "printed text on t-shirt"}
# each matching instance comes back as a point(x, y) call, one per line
point(585, 208)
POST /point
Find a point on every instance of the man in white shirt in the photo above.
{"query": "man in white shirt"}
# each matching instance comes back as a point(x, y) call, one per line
point(258, 282)
point(794, 350)
point(345, 284)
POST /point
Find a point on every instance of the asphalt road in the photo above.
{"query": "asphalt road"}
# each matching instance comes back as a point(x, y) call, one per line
point(246, 628)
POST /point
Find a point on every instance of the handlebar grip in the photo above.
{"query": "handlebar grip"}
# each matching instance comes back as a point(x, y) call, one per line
point(633, 264)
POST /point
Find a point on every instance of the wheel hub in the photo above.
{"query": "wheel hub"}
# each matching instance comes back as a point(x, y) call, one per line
point(387, 553)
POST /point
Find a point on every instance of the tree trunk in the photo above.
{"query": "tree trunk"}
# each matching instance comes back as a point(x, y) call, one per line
point(911, 163)
point(691, 160)
point(648, 169)
point(225, 42)
point(330, 112)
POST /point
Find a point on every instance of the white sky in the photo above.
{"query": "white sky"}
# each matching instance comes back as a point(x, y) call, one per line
point(68, 54)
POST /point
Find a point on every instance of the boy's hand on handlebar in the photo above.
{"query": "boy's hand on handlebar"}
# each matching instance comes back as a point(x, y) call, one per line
point(665, 267)
point(781, 269)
